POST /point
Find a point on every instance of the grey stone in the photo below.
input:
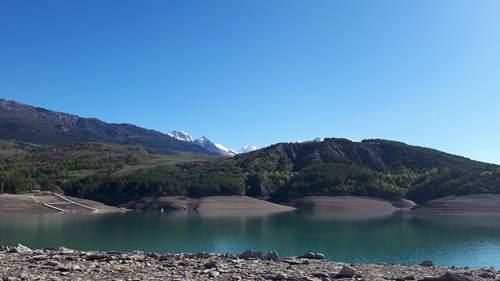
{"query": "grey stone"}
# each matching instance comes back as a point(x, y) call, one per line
point(273, 256)
point(449, 276)
point(278, 276)
point(251, 254)
point(210, 264)
point(313, 256)
point(20, 249)
point(427, 263)
point(346, 272)
point(214, 274)
point(487, 275)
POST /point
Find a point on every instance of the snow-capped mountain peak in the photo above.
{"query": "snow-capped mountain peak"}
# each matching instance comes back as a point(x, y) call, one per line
point(204, 142)
point(181, 135)
point(210, 146)
point(223, 148)
point(248, 148)
point(213, 147)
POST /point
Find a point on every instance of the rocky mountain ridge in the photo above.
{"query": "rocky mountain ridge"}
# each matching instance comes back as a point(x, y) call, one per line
point(209, 145)
point(31, 124)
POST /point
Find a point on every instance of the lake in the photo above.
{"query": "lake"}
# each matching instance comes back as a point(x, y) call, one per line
point(472, 241)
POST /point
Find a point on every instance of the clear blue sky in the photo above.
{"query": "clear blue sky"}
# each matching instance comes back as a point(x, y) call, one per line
point(425, 72)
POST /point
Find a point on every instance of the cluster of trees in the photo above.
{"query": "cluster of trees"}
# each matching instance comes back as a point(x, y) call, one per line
point(445, 182)
point(24, 168)
point(193, 180)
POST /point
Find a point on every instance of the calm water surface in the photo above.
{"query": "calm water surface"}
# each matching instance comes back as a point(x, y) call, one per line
point(447, 240)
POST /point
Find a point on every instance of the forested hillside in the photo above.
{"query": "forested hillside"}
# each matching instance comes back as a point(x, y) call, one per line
point(25, 167)
point(335, 166)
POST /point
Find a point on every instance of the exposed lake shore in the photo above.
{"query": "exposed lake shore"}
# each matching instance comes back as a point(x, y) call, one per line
point(47, 203)
point(249, 206)
point(22, 263)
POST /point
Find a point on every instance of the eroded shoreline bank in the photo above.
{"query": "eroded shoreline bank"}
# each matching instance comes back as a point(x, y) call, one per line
point(22, 263)
point(43, 203)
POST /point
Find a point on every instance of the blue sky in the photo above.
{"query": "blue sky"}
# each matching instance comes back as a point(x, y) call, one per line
point(424, 72)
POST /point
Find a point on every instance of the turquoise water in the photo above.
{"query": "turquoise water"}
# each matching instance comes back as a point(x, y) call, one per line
point(472, 241)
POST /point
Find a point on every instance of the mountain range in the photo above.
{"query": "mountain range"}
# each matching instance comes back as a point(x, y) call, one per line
point(210, 146)
point(114, 163)
point(41, 126)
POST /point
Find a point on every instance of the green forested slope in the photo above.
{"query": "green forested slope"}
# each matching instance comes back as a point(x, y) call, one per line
point(117, 173)
point(335, 166)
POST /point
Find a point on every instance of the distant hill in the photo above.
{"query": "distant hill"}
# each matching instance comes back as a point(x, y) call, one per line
point(375, 167)
point(284, 171)
point(374, 154)
point(41, 126)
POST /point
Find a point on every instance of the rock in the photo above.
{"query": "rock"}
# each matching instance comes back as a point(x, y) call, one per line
point(346, 272)
point(63, 268)
point(449, 276)
point(427, 263)
point(65, 251)
point(313, 256)
point(202, 255)
point(279, 276)
point(53, 263)
point(39, 257)
point(304, 278)
point(251, 254)
point(320, 275)
point(273, 256)
point(487, 275)
point(214, 274)
point(489, 269)
point(293, 261)
point(210, 264)
point(96, 257)
point(20, 249)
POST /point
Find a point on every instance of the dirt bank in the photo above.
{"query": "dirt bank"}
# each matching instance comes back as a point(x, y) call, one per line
point(214, 205)
point(466, 204)
point(41, 203)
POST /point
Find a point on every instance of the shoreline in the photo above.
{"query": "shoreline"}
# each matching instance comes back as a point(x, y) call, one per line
point(22, 263)
point(51, 203)
point(341, 205)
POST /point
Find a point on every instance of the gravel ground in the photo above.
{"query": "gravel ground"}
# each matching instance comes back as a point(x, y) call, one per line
point(22, 263)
